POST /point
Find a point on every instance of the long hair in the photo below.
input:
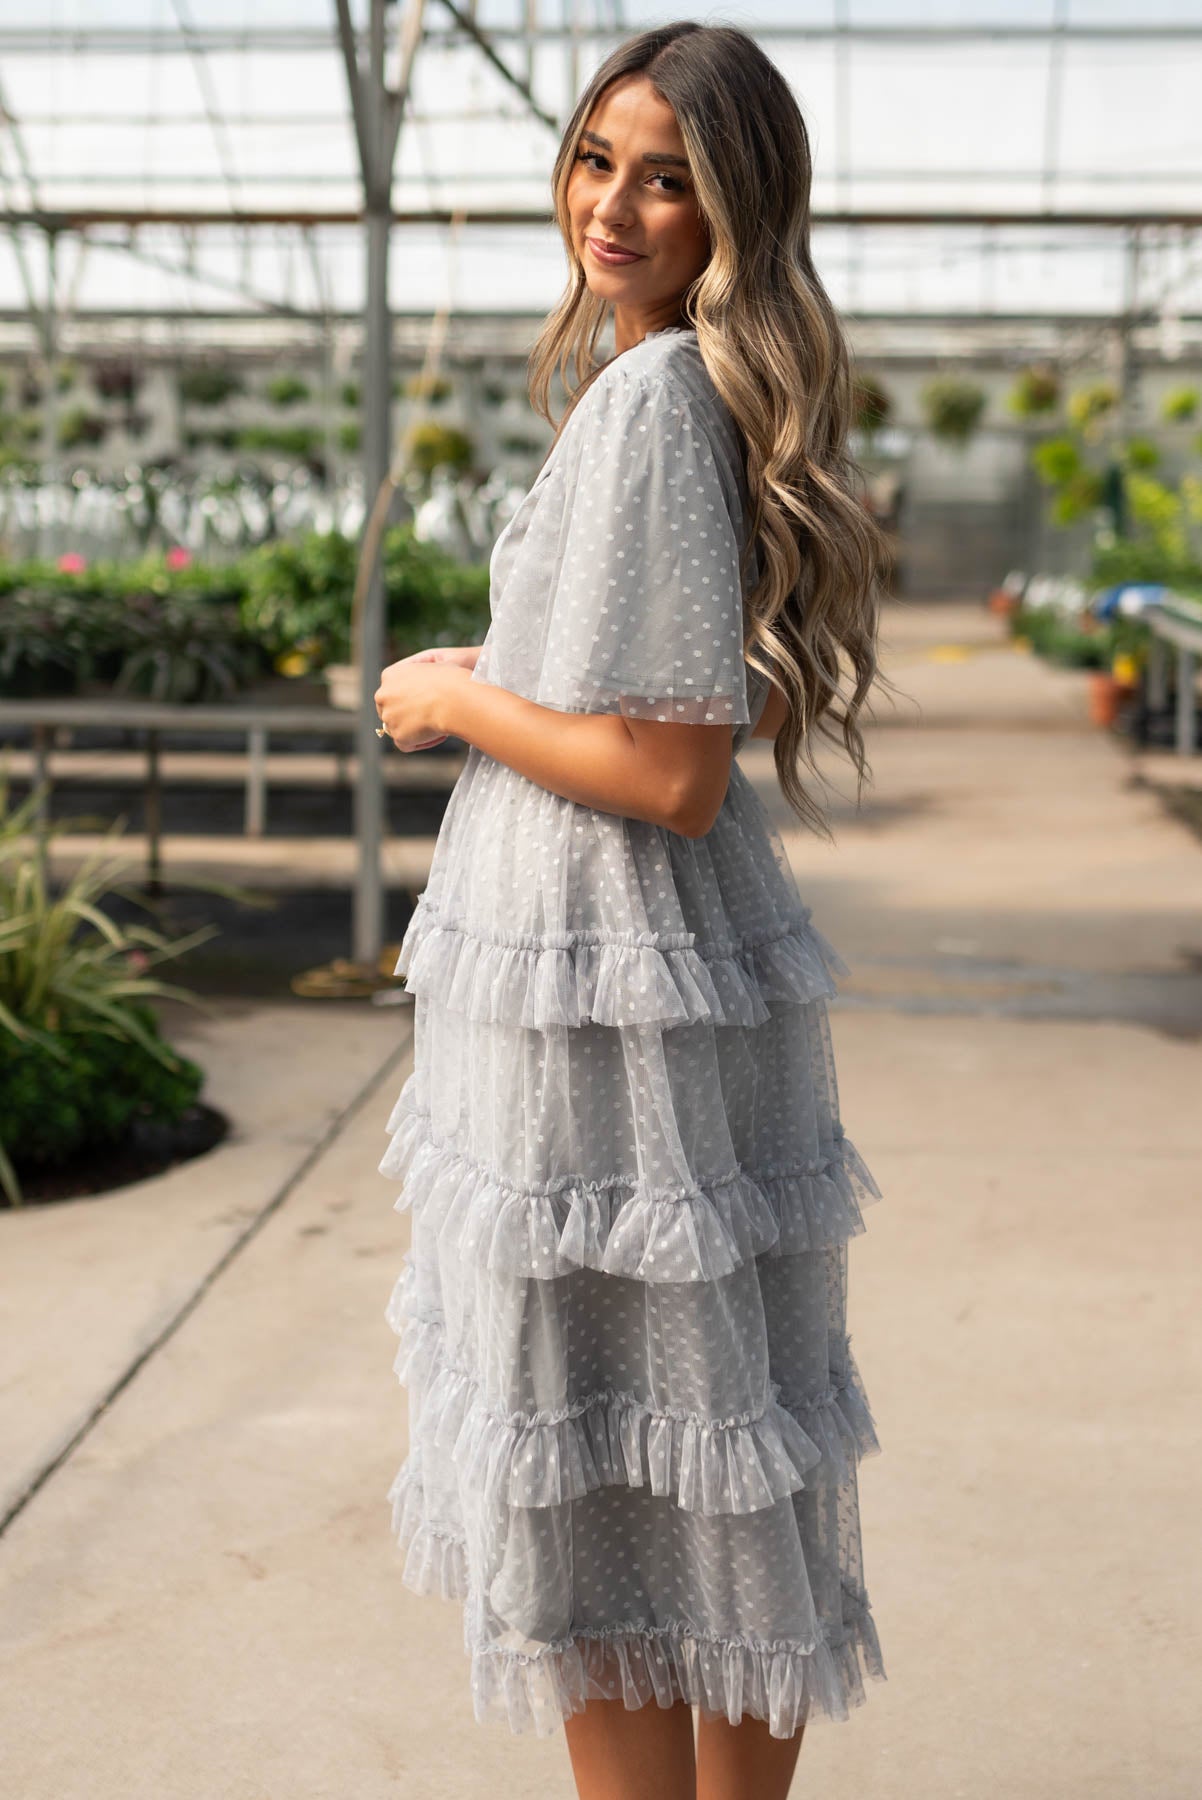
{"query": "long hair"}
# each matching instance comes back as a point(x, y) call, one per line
point(776, 352)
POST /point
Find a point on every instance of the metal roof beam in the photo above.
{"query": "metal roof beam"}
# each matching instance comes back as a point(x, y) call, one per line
point(140, 41)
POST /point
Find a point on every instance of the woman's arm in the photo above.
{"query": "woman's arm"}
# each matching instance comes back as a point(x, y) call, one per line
point(665, 773)
point(772, 717)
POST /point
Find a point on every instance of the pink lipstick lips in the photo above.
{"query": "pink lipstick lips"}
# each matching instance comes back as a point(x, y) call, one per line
point(611, 253)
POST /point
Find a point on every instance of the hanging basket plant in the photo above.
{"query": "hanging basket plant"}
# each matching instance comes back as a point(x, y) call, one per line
point(1036, 392)
point(953, 408)
point(873, 403)
point(430, 446)
point(208, 384)
point(433, 388)
point(80, 429)
point(1180, 407)
point(287, 390)
point(1089, 407)
point(117, 379)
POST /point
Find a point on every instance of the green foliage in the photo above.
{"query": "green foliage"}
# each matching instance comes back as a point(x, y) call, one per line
point(299, 441)
point(1180, 406)
point(953, 408)
point(1090, 406)
point(431, 597)
point(1141, 559)
point(208, 384)
point(1081, 495)
point(1066, 641)
point(139, 628)
point(78, 428)
point(69, 972)
point(430, 446)
point(434, 388)
point(203, 632)
point(349, 393)
point(300, 594)
point(1035, 393)
point(287, 390)
point(1140, 453)
point(350, 437)
point(1056, 460)
point(85, 1094)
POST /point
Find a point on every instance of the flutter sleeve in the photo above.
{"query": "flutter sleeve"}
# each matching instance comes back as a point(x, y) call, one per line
point(646, 616)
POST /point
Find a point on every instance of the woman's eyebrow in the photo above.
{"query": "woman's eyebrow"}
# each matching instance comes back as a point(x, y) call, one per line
point(658, 156)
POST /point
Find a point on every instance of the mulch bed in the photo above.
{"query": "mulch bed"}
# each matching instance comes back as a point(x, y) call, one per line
point(149, 1148)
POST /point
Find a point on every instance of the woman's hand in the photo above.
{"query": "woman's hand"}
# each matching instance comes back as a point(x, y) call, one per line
point(413, 693)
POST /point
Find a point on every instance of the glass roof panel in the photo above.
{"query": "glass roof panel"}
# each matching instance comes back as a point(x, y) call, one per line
point(121, 113)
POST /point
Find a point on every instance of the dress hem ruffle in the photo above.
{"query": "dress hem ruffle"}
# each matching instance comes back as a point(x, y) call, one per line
point(779, 1683)
point(560, 979)
point(615, 1226)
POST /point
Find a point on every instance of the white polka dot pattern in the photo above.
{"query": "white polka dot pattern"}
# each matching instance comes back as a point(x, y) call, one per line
point(616, 586)
point(635, 1418)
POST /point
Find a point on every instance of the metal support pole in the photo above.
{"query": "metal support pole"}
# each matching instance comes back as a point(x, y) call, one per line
point(368, 924)
point(154, 815)
point(1187, 702)
point(255, 818)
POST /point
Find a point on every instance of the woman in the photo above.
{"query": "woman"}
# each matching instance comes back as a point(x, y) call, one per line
point(634, 1415)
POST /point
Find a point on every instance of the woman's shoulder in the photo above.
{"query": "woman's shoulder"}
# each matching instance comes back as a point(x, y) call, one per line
point(662, 379)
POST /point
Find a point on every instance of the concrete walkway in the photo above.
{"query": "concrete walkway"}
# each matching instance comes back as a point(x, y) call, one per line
point(198, 1594)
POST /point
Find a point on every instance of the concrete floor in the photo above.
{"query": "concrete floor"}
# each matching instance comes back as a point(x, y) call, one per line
point(198, 1594)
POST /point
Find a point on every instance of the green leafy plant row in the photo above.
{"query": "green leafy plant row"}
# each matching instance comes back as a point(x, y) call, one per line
point(193, 633)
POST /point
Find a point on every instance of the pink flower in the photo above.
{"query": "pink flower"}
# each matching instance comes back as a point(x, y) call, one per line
point(72, 563)
point(137, 960)
point(178, 558)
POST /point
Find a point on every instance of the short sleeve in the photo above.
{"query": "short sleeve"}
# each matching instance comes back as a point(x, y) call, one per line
point(646, 617)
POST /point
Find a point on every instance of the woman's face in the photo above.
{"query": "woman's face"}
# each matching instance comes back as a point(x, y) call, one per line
point(630, 188)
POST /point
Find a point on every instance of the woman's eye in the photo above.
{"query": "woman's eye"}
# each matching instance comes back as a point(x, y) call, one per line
point(595, 156)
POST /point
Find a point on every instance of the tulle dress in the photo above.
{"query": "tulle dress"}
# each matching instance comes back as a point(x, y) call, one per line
point(634, 1415)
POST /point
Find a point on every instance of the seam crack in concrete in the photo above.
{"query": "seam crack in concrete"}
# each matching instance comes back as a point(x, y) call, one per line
point(285, 1189)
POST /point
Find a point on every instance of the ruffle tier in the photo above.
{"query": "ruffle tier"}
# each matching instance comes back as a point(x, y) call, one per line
point(435, 1559)
point(616, 1226)
point(640, 1662)
point(546, 980)
point(734, 1465)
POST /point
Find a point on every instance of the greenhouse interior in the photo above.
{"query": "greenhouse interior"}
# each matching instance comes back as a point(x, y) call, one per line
point(271, 276)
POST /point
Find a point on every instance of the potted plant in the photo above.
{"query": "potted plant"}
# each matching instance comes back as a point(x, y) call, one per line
point(953, 408)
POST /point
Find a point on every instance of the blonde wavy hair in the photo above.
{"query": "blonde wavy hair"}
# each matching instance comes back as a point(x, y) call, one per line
point(775, 349)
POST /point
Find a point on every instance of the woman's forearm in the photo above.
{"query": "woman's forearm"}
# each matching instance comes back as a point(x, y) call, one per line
point(590, 758)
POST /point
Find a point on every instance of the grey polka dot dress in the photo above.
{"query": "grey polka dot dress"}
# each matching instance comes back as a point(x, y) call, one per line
point(635, 1419)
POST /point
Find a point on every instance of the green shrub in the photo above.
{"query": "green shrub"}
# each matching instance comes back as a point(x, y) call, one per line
point(70, 976)
point(85, 1093)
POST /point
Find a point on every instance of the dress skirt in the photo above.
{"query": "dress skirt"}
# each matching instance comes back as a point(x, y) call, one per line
point(635, 1420)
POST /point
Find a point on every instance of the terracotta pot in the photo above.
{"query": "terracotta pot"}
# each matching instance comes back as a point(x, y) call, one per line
point(1003, 603)
point(1106, 696)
